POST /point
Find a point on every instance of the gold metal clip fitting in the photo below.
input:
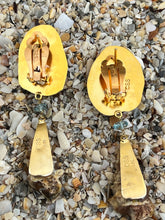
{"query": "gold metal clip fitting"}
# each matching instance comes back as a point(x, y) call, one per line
point(112, 79)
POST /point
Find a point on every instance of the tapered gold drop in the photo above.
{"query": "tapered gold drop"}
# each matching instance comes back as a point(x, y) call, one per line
point(41, 162)
point(132, 182)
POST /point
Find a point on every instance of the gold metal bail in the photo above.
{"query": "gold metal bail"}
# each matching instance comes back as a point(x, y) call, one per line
point(38, 95)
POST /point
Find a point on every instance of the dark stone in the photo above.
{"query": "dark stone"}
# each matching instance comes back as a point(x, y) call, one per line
point(70, 157)
point(151, 15)
point(131, 28)
point(21, 189)
point(15, 7)
point(81, 160)
point(162, 71)
point(65, 193)
point(136, 113)
point(157, 128)
point(51, 208)
point(126, 3)
point(94, 208)
point(154, 137)
point(41, 108)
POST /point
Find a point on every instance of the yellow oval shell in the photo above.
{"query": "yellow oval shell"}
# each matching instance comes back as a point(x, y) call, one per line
point(57, 69)
point(133, 73)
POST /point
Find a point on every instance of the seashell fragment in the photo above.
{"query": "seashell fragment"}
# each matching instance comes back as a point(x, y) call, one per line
point(96, 156)
point(161, 187)
point(63, 22)
point(161, 6)
point(158, 107)
point(6, 43)
point(21, 131)
point(59, 206)
point(4, 60)
point(96, 188)
point(3, 69)
point(15, 118)
point(86, 133)
point(59, 116)
point(5, 207)
point(76, 182)
point(63, 141)
point(27, 204)
point(49, 186)
point(72, 203)
point(3, 151)
point(4, 167)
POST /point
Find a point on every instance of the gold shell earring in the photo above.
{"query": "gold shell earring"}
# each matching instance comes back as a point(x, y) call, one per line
point(115, 85)
point(42, 70)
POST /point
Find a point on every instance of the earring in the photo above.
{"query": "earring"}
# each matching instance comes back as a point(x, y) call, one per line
point(115, 85)
point(42, 71)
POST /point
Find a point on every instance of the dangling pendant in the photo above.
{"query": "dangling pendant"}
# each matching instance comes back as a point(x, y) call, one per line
point(132, 182)
point(41, 162)
point(42, 70)
point(115, 85)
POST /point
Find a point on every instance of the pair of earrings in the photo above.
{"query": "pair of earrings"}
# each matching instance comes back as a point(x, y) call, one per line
point(115, 84)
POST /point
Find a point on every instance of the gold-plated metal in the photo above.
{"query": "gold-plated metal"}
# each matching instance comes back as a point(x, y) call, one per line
point(115, 84)
point(118, 114)
point(36, 55)
point(42, 70)
point(42, 62)
point(112, 79)
point(41, 163)
point(116, 81)
point(132, 182)
point(38, 96)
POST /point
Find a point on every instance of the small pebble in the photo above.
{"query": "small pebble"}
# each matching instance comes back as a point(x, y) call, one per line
point(21, 131)
point(59, 206)
point(6, 89)
point(20, 96)
point(5, 207)
point(122, 13)
point(52, 13)
point(150, 27)
point(4, 167)
point(158, 107)
point(86, 133)
point(64, 22)
point(162, 208)
point(72, 203)
point(15, 118)
point(89, 143)
point(104, 152)
point(59, 116)
point(161, 6)
point(1, 101)
point(149, 94)
point(63, 141)
point(96, 188)
point(162, 71)
point(162, 215)
point(161, 187)
point(3, 69)
point(4, 61)
point(91, 200)
point(3, 151)
point(96, 157)
point(27, 204)
point(65, 37)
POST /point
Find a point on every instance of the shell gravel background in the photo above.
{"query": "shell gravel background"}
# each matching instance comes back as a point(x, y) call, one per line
point(89, 156)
